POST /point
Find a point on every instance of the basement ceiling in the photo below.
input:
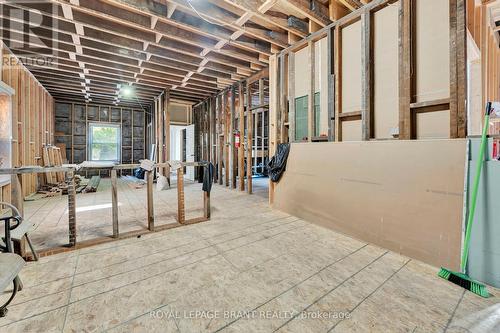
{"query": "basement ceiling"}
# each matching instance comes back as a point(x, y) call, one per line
point(90, 50)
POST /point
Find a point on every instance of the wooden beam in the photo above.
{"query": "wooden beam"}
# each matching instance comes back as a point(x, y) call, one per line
point(241, 129)
point(166, 143)
point(338, 82)
point(331, 83)
point(249, 139)
point(291, 96)
point(405, 66)
point(366, 77)
point(232, 148)
point(311, 121)
point(114, 203)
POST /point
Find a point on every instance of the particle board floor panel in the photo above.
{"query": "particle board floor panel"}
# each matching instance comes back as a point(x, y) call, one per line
point(249, 269)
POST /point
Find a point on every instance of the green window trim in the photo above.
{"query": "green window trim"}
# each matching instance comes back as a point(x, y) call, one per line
point(301, 117)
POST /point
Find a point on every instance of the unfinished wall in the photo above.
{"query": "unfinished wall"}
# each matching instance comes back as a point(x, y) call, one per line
point(389, 67)
point(485, 66)
point(71, 129)
point(32, 120)
point(411, 203)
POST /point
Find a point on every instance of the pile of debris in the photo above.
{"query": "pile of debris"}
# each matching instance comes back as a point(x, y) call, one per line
point(82, 185)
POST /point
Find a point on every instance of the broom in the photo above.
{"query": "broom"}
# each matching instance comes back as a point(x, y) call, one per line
point(460, 278)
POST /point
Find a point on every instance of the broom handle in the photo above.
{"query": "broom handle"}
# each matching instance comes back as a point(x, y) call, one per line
point(475, 188)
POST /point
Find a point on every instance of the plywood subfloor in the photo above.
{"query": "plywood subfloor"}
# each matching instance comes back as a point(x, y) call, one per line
point(293, 276)
point(93, 212)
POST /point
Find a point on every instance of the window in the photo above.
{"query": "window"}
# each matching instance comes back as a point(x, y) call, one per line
point(301, 131)
point(301, 117)
point(104, 142)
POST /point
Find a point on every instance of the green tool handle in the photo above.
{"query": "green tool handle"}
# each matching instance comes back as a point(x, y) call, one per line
point(475, 187)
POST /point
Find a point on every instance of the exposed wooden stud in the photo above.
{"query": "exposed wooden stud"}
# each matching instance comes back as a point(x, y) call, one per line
point(166, 147)
point(181, 214)
point(331, 83)
point(366, 77)
point(249, 145)
point(71, 208)
point(291, 96)
point(311, 121)
point(405, 66)
point(232, 148)
point(114, 203)
point(338, 81)
point(241, 130)
point(150, 200)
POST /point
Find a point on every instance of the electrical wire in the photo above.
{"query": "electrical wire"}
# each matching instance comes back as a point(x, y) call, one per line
point(204, 19)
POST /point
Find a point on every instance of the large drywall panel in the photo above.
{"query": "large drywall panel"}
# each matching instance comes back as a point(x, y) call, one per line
point(351, 67)
point(302, 76)
point(351, 130)
point(432, 49)
point(406, 196)
point(386, 71)
point(433, 125)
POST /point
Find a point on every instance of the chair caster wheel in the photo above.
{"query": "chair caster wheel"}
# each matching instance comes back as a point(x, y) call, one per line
point(3, 312)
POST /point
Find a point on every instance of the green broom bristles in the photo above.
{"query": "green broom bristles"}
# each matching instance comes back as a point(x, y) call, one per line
point(464, 281)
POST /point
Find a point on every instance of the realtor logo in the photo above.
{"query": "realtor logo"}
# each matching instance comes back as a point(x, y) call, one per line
point(29, 29)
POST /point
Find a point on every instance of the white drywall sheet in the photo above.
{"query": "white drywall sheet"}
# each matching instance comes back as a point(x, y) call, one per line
point(406, 196)
point(432, 50)
point(386, 71)
point(351, 67)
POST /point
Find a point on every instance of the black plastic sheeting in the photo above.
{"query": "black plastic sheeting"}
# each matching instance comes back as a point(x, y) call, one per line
point(208, 176)
point(277, 165)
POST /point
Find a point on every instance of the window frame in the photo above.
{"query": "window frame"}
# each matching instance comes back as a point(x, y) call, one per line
point(92, 125)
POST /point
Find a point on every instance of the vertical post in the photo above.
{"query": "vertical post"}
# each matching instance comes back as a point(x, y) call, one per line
point(461, 56)
point(151, 212)
point(331, 84)
point(283, 113)
point(17, 199)
point(263, 122)
point(71, 208)
point(311, 119)
point(220, 140)
point(226, 111)
point(338, 81)
point(232, 148)
point(249, 139)
point(291, 96)
point(181, 215)
point(166, 110)
point(114, 203)
point(366, 77)
point(405, 60)
point(206, 205)
point(241, 151)
point(161, 133)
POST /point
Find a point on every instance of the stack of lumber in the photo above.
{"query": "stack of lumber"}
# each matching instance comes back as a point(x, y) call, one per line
point(52, 157)
point(92, 185)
